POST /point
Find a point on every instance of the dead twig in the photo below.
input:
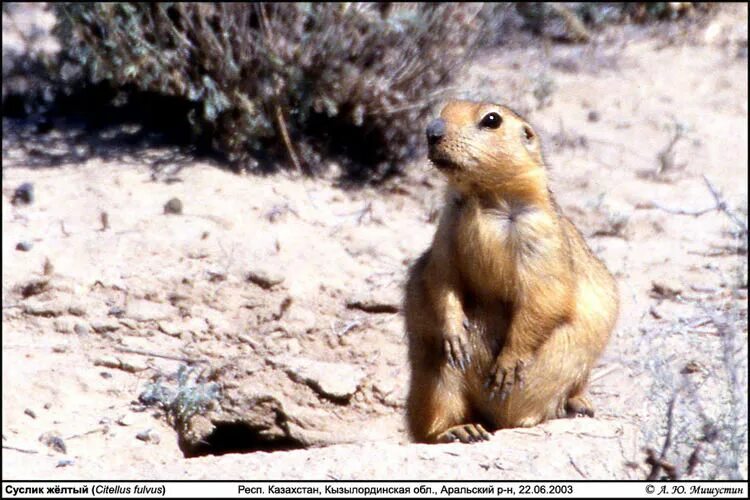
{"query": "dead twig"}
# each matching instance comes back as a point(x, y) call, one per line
point(603, 373)
point(281, 124)
point(278, 210)
point(429, 99)
point(367, 211)
point(163, 356)
point(666, 156)
point(104, 220)
point(659, 464)
point(103, 429)
point(247, 340)
point(278, 111)
point(719, 205)
point(19, 449)
point(373, 307)
point(720, 252)
point(346, 328)
point(699, 322)
point(694, 460)
point(675, 211)
point(575, 466)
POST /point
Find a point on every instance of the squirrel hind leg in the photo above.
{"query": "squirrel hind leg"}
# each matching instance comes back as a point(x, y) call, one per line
point(465, 433)
point(554, 383)
point(578, 406)
point(577, 403)
point(436, 403)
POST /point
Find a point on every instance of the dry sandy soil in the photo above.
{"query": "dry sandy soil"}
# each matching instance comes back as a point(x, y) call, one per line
point(282, 295)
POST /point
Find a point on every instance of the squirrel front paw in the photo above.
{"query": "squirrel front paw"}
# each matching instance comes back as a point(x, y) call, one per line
point(457, 348)
point(506, 373)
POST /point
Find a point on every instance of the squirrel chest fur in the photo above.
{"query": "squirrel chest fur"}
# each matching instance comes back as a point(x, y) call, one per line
point(505, 242)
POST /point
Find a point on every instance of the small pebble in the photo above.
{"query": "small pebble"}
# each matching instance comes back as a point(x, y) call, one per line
point(23, 246)
point(34, 287)
point(23, 195)
point(81, 329)
point(148, 436)
point(691, 367)
point(116, 311)
point(54, 441)
point(65, 462)
point(264, 279)
point(48, 268)
point(30, 413)
point(124, 421)
point(104, 219)
point(77, 310)
point(593, 116)
point(173, 206)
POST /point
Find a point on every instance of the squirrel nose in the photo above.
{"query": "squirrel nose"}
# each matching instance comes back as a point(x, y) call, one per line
point(435, 131)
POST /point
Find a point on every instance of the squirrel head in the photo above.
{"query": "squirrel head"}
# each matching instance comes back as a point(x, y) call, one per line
point(482, 145)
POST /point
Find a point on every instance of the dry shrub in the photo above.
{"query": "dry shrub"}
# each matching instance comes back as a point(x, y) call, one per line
point(28, 61)
point(571, 21)
point(287, 81)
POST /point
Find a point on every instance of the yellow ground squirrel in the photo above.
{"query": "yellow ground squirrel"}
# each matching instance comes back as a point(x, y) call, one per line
point(508, 310)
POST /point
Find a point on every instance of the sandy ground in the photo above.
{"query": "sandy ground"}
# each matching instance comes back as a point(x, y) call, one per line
point(262, 279)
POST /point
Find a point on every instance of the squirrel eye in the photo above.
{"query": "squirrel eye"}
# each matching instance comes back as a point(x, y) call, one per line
point(491, 120)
